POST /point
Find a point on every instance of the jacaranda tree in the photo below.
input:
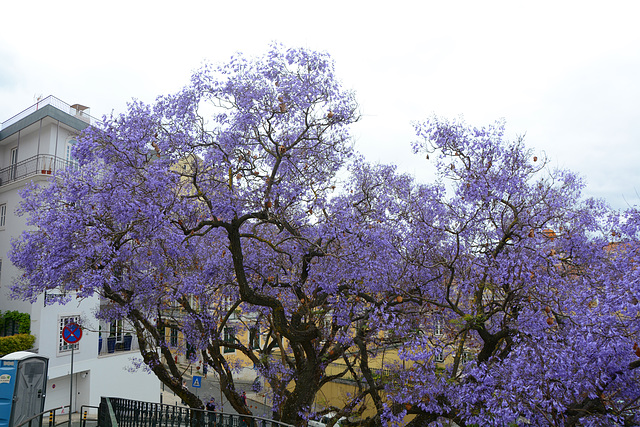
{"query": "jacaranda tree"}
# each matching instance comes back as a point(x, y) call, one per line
point(212, 203)
point(237, 205)
point(525, 290)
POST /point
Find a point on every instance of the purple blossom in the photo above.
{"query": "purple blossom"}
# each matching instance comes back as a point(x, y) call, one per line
point(237, 207)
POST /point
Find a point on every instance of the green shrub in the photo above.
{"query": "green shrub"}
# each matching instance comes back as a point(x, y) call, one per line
point(20, 342)
point(12, 322)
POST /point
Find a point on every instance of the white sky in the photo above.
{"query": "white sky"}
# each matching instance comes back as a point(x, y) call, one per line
point(566, 74)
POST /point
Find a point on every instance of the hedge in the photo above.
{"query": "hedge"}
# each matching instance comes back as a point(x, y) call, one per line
point(13, 320)
point(20, 342)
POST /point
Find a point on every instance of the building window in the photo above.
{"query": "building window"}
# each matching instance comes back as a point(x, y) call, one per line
point(53, 296)
point(116, 329)
point(3, 214)
point(226, 305)
point(174, 337)
point(62, 344)
point(254, 339)
point(438, 326)
point(229, 337)
point(439, 356)
point(71, 161)
point(191, 352)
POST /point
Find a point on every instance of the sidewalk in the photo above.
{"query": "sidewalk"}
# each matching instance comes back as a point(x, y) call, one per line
point(170, 398)
point(62, 420)
point(253, 398)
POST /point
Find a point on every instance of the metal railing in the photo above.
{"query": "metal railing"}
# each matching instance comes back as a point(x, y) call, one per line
point(55, 102)
point(43, 164)
point(36, 420)
point(111, 345)
point(84, 413)
point(134, 413)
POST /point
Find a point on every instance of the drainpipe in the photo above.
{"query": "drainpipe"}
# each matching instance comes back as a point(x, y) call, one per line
point(39, 133)
point(17, 146)
point(55, 153)
point(38, 153)
point(15, 169)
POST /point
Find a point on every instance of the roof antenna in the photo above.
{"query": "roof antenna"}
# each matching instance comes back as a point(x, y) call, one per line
point(37, 98)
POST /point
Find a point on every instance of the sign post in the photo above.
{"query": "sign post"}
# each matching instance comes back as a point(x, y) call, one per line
point(196, 383)
point(71, 334)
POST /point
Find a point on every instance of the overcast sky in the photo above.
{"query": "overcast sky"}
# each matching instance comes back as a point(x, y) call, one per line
point(566, 74)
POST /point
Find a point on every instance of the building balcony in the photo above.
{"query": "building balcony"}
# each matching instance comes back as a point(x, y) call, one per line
point(111, 346)
point(41, 165)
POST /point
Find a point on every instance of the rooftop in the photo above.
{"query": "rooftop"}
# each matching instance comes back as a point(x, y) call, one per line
point(76, 111)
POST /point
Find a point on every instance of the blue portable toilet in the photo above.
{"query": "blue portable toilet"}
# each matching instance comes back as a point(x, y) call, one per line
point(23, 381)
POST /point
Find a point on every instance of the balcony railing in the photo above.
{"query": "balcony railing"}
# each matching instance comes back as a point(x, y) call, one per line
point(113, 345)
point(43, 164)
point(74, 110)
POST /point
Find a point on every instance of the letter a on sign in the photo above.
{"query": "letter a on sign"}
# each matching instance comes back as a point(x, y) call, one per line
point(197, 381)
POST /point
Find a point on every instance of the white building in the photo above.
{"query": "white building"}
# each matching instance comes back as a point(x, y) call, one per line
point(33, 144)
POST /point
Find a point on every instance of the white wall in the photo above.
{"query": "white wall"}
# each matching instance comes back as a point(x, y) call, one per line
point(48, 330)
point(93, 376)
point(108, 376)
point(14, 225)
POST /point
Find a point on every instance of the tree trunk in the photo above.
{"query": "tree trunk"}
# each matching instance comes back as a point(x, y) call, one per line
point(301, 399)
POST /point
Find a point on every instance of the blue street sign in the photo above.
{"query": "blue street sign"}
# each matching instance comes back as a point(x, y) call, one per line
point(197, 382)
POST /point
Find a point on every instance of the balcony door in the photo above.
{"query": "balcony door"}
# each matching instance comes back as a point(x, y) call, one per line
point(116, 329)
point(71, 161)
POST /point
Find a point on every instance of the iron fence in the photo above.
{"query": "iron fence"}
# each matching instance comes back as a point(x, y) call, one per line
point(133, 413)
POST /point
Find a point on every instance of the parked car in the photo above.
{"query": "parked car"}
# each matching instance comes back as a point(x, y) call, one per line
point(324, 421)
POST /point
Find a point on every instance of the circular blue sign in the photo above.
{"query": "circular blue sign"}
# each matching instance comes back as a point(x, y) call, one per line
point(71, 333)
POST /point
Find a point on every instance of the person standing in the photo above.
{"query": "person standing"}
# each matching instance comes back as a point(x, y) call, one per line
point(211, 407)
point(211, 404)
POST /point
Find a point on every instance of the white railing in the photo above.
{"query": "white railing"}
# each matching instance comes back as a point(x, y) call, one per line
point(55, 102)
